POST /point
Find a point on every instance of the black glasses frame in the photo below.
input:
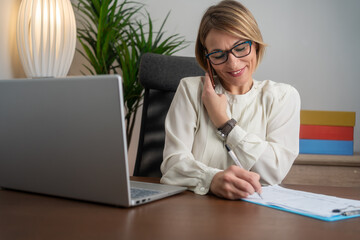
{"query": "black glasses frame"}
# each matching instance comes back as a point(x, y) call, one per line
point(229, 51)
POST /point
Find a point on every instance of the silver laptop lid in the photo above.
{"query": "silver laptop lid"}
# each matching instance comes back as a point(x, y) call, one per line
point(51, 129)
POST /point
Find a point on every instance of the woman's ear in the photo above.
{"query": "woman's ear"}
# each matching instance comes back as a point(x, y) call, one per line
point(255, 45)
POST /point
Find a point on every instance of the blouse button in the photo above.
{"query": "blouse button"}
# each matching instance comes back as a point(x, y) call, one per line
point(202, 189)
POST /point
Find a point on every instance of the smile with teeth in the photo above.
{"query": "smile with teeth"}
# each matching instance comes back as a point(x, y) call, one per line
point(237, 72)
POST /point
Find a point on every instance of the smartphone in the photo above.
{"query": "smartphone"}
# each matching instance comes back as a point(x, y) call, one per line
point(211, 74)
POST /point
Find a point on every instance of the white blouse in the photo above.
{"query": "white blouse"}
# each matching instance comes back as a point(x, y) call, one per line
point(265, 139)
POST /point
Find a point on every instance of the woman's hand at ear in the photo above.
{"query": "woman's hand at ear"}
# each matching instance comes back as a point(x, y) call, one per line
point(214, 103)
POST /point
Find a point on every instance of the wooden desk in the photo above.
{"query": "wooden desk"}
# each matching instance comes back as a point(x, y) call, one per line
point(185, 216)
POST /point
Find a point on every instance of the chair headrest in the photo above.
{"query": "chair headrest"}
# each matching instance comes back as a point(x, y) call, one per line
point(164, 72)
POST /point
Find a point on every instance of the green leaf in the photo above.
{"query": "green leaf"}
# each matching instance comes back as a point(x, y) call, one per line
point(113, 39)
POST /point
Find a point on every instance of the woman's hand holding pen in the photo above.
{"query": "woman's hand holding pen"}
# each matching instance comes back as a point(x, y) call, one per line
point(214, 103)
point(235, 183)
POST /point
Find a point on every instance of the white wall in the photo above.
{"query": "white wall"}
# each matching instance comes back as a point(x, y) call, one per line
point(313, 45)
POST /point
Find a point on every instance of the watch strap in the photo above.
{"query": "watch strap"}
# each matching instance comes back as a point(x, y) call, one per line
point(224, 131)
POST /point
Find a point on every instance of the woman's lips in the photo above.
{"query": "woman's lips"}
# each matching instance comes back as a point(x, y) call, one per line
point(237, 73)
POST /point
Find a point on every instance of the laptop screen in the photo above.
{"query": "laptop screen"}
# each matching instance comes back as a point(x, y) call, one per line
point(64, 137)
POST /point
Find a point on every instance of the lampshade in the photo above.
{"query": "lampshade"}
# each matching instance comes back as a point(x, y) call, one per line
point(46, 37)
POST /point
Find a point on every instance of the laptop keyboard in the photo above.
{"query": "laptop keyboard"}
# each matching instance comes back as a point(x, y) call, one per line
point(142, 193)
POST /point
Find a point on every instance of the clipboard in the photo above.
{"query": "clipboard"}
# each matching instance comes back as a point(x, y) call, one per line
point(295, 199)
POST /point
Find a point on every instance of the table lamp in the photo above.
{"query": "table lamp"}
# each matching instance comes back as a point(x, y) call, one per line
point(46, 37)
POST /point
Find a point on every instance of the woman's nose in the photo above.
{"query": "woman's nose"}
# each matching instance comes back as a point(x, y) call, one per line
point(232, 60)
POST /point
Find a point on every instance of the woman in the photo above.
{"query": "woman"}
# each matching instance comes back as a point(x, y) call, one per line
point(258, 120)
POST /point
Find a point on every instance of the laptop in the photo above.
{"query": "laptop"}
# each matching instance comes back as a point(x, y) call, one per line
point(66, 137)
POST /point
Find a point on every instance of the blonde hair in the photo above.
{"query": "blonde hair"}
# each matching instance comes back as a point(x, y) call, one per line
point(231, 17)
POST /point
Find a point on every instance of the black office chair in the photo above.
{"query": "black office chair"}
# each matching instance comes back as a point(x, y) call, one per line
point(160, 75)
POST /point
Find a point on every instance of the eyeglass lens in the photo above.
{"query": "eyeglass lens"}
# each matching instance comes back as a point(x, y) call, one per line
point(239, 51)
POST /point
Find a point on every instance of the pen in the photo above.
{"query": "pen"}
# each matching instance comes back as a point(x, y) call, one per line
point(236, 160)
point(351, 213)
point(347, 212)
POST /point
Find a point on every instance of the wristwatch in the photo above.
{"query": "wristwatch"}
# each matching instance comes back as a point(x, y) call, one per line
point(224, 131)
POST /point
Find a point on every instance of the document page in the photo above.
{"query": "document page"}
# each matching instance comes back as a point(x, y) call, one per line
point(305, 202)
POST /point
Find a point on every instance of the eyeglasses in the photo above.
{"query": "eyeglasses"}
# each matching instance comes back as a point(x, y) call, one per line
point(240, 50)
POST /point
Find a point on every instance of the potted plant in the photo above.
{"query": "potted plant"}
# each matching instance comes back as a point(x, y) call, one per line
point(114, 39)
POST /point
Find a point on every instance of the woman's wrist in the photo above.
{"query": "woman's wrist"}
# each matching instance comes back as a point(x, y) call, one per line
point(224, 130)
point(221, 122)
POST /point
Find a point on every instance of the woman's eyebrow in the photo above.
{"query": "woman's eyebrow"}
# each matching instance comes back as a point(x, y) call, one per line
point(238, 42)
point(217, 49)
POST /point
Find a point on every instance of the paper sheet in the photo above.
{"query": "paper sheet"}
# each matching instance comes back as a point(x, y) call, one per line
point(304, 202)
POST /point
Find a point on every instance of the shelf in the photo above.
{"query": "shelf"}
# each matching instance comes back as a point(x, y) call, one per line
point(333, 160)
point(325, 170)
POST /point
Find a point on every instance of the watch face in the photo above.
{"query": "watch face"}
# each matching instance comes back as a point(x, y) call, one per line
point(225, 130)
point(220, 135)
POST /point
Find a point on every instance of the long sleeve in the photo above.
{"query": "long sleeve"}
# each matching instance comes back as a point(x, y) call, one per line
point(273, 155)
point(182, 122)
